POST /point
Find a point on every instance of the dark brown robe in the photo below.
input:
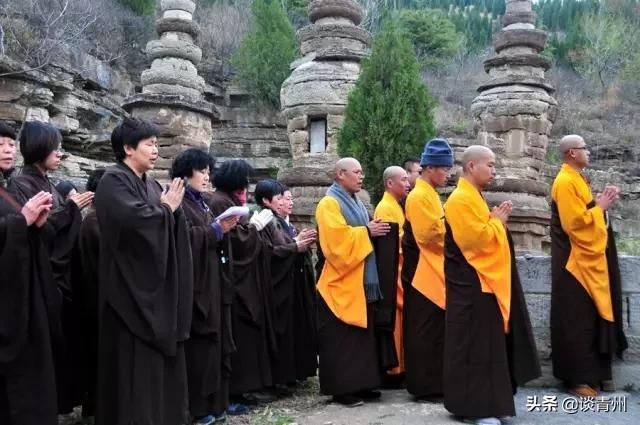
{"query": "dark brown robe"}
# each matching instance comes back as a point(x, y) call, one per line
point(247, 290)
point(387, 249)
point(63, 226)
point(304, 317)
point(204, 349)
point(283, 254)
point(423, 328)
point(86, 274)
point(145, 303)
point(353, 359)
point(483, 366)
point(582, 343)
point(29, 307)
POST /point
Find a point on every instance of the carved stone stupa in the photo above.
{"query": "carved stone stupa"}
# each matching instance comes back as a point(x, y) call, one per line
point(172, 90)
point(513, 115)
point(314, 97)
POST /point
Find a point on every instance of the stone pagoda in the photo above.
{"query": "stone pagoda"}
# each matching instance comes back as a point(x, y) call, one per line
point(172, 90)
point(314, 97)
point(513, 115)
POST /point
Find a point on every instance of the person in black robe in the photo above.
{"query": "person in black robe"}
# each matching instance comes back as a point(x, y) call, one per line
point(246, 289)
point(28, 304)
point(41, 150)
point(85, 275)
point(304, 299)
point(204, 350)
point(284, 251)
point(146, 287)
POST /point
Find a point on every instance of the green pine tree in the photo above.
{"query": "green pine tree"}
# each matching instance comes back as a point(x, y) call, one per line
point(262, 61)
point(389, 115)
point(141, 7)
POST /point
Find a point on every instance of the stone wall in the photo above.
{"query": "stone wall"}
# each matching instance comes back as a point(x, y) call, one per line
point(248, 131)
point(535, 273)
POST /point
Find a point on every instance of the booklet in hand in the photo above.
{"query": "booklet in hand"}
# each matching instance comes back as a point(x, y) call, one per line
point(233, 212)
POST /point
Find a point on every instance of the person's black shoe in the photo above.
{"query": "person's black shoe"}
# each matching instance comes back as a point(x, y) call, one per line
point(393, 382)
point(348, 400)
point(369, 395)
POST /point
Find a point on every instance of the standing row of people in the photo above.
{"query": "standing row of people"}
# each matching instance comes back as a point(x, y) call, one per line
point(462, 329)
point(150, 310)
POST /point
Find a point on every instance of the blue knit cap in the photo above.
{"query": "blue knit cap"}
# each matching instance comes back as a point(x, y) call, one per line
point(437, 153)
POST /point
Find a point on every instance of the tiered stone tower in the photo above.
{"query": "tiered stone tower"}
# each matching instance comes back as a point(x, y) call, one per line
point(314, 97)
point(513, 115)
point(172, 90)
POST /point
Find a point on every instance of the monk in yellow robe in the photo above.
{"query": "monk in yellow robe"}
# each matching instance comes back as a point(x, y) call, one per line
point(396, 185)
point(348, 286)
point(425, 291)
point(489, 347)
point(586, 310)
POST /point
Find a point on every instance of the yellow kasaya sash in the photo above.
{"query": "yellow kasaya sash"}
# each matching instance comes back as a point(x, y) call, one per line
point(424, 212)
point(483, 242)
point(587, 231)
point(345, 249)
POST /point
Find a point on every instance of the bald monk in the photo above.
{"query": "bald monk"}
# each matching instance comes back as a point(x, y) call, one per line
point(489, 347)
point(586, 311)
point(396, 187)
point(425, 294)
point(348, 287)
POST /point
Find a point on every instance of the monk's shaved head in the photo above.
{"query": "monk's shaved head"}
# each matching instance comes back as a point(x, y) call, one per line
point(393, 171)
point(570, 142)
point(349, 174)
point(475, 153)
point(346, 164)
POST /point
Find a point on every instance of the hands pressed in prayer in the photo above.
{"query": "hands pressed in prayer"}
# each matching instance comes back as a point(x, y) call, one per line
point(305, 239)
point(174, 194)
point(36, 210)
point(82, 200)
point(608, 197)
point(503, 211)
point(228, 223)
point(378, 228)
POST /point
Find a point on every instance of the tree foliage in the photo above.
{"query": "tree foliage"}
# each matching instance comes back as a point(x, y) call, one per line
point(141, 7)
point(263, 59)
point(389, 115)
point(432, 34)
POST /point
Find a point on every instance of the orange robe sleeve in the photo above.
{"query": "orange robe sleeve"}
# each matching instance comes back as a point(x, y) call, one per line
point(424, 211)
point(587, 231)
point(483, 242)
point(341, 282)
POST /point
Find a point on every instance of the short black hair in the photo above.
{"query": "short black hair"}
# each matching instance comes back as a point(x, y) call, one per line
point(129, 133)
point(6, 131)
point(94, 179)
point(232, 176)
point(267, 189)
point(284, 187)
point(188, 161)
point(407, 163)
point(37, 141)
point(64, 187)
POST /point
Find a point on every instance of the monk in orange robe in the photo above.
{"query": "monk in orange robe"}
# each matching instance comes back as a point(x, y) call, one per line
point(396, 184)
point(425, 291)
point(586, 307)
point(489, 346)
point(348, 286)
point(413, 168)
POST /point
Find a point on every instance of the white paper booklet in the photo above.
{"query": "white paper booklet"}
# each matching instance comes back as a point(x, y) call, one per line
point(233, 211)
